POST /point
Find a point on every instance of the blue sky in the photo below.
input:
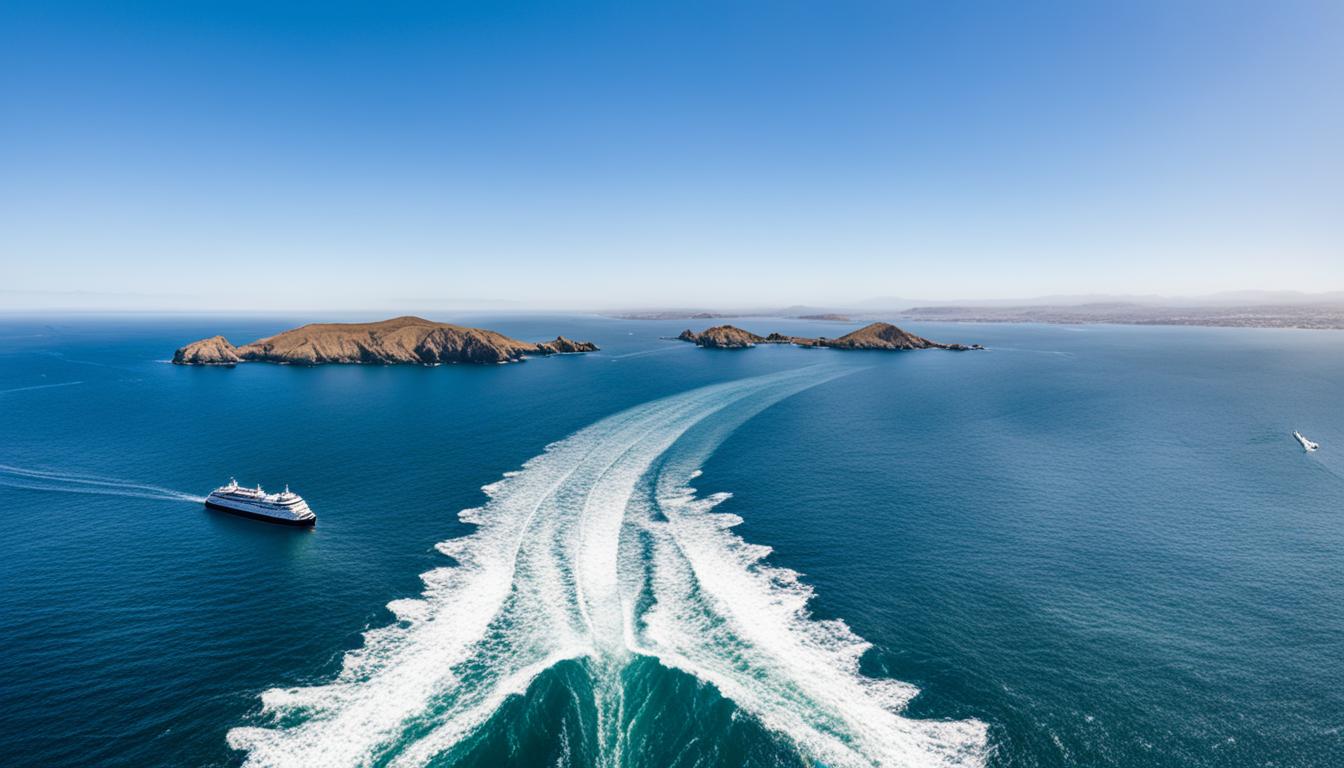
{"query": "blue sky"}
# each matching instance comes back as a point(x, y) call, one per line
point(338, 155)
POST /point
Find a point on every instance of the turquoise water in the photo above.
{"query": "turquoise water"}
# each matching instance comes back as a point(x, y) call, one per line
point(1086, 546)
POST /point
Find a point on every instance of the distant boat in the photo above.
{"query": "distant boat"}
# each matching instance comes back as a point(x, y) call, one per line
point(287, 508)
point(1307, 444)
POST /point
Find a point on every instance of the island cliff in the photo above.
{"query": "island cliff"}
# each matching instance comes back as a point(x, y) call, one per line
point(887, 336)
point(722, 337)
point(402, 340)
point(874, 336)
point(215, 350)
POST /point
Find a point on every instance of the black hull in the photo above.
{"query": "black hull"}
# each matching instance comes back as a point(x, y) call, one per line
point(309, 523)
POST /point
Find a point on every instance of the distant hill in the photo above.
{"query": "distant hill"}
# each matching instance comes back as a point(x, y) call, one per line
point(884, 336)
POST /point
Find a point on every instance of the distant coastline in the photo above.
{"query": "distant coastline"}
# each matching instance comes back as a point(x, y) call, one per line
point(1327, 314)
point(1305, 317)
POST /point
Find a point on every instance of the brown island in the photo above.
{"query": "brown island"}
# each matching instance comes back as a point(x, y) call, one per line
point(401, 340)
point(875, 336)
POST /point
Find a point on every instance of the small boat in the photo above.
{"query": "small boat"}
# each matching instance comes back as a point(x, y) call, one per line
point(1307, 444)
point(287, 508)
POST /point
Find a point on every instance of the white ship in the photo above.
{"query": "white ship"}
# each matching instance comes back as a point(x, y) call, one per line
point(1307, 444)
point(287, 508)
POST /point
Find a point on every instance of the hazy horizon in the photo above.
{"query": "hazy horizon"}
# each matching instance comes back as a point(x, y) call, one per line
point(37, 303)
point(349, 157)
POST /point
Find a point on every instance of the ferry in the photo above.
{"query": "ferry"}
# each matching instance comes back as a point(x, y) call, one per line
point(287, 508)
point(1307, 444)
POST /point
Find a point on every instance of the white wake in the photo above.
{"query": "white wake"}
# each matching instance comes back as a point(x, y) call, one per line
point(40, 386)
point(563, 551)
point(96, 485)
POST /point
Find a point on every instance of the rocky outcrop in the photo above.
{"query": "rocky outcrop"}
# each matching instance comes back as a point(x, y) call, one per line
point(722, 337)
point(402, 340)
point(874, 336)
point(563, 346)
point(882, 336)
point(215, 350)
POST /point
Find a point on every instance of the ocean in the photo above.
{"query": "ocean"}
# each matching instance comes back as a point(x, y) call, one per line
point(1087, 545)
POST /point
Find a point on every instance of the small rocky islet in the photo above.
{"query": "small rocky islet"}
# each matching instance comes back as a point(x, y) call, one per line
point(883, 336)
point(399, 341)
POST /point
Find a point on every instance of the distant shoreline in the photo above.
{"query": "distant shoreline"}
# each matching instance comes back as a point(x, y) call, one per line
point(1293, 317)
point(1216, 318)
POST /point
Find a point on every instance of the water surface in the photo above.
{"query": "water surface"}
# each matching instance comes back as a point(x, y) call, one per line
point(1094, 545)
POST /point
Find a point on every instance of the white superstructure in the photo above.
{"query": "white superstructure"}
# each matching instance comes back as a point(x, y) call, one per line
point(1307, 444)
point(288, 507)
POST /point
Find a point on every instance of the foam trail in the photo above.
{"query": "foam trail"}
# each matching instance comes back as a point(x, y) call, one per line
point(39, 386)
point(654, 351)
point(550, 574)
point(96, 485)
point(725, 617)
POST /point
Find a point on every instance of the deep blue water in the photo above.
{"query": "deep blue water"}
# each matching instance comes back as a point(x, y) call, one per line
point(1085, 546)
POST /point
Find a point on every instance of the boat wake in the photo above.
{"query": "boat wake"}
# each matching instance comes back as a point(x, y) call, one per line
point(67, 482)
point(598, 550)
point(40, 386)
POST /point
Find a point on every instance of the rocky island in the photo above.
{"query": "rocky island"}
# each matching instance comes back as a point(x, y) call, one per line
point(401, 340)
point(723, 337)
point(874, 336)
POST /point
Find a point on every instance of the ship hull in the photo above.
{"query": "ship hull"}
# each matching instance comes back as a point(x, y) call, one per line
point(309, 523)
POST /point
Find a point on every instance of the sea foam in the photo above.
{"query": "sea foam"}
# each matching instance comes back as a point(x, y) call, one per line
point(552, 572)
point(96, 485)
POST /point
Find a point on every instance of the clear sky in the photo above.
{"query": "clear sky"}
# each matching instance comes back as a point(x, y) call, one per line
point(569, 154)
